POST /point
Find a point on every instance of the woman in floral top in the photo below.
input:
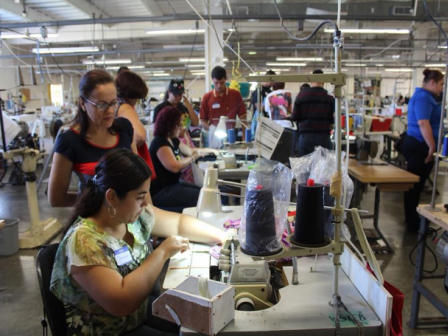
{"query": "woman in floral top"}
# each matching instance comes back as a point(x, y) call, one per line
point(103, 271)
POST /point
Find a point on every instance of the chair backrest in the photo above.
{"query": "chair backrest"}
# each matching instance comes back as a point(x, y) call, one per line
point(53, 308)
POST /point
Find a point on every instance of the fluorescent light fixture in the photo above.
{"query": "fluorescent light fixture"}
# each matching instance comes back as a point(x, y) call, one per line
point(162, 74)
point(21, 36)
point(436, 65)
point(370, 31)
point(130, 67)
point(280, 70)
point(175, 32)
point(252, 52)
point(355, 65)
point(379, 65)
point(198, 73)
point(195, 65)
point(153, 72)
point(286, 64)
point(44, 50)
point(109, 61)
point(300, 59)
point(395, 56)
point(231, 30)
point(196, 60)
point(400, 70)
point(442, 47)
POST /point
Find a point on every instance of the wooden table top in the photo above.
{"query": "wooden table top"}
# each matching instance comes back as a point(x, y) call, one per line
point(379, 174)
point(439, 218)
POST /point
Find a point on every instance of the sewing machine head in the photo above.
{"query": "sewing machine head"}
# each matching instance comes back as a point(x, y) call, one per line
point(366, 148)
point(229, 159)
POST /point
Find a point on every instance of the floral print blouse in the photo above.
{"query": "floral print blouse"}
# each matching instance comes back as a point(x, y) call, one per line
point(86, 244)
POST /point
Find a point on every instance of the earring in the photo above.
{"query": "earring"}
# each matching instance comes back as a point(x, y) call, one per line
point(114, 211)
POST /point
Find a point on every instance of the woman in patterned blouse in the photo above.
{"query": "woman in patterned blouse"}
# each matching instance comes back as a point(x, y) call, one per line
point(103, 271)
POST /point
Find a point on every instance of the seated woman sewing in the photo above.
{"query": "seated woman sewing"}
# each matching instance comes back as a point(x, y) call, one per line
point(170, 157)
point(103, 271)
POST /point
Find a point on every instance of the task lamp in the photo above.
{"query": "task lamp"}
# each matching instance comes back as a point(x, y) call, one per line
point(221, 129)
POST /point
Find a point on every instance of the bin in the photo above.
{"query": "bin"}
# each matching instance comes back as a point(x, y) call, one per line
point(9, 237)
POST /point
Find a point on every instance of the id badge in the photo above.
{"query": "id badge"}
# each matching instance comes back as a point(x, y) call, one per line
point(123, 256)
point(216, 106)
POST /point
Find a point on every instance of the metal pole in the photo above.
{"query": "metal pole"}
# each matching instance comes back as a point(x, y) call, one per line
point(338, 206)
point(432, 206)
point(2, 126)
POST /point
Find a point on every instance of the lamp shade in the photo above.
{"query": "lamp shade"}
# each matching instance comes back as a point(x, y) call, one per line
point(221, 129)
point(209, 199)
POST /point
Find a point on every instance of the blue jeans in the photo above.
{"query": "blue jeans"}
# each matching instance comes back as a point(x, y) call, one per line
point(308, 141)
point(253, 125)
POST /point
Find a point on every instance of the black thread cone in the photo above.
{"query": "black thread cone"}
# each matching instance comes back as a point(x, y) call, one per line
point(261, 238)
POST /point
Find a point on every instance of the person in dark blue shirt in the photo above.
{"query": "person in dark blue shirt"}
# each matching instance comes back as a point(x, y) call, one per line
point(420, 143)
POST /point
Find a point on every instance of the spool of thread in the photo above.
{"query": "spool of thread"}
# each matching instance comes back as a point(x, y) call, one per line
point(309, 228)
point(445, 146)
point(261, 237)
point(248, 135)
point(231, 135)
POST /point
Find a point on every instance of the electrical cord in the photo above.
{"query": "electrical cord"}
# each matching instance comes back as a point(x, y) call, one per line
point(429, 231)
point(191, 51)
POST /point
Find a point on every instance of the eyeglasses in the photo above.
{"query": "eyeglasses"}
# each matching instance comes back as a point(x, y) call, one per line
point(102, 106)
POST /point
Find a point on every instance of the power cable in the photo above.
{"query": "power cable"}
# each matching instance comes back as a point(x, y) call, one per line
point(191, 51)
point(429, 231)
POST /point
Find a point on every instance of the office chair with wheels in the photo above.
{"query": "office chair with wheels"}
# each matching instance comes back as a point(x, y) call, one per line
point(54, 311)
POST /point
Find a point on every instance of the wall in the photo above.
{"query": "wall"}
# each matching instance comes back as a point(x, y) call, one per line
point(404, 87)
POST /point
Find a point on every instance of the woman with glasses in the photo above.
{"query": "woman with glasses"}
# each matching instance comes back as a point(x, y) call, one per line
point(94, 132)
point(170, 158)
point(131, 87)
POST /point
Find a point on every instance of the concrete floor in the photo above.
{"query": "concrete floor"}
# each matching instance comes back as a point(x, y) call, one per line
point(20, 300)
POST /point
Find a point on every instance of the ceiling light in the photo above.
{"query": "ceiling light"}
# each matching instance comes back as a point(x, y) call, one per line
point(252, 52)
point(196, 60)
point(195, 65)
point(109, 61)
point(129, 67)
point(65, 50)
point(175, 32)
point(442, 47)
point(163, 74)
point(21, 36)
point(231, 30)
point(295, 59)
point(355, 65)
point(437, 65)
point(395, 56)
point(280, 70)
point(286, 64)
point(198, 73)
point(379, 65)
point(370, 31)
point(400, 70)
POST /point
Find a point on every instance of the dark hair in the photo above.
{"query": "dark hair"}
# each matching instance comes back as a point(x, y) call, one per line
point(122, 69)
point(219, 73)
point(119, 169)
point(131, 86)
point(278, 86)
point(167, 95)
point(89, 81)
point(305, 86)
point(270, 72)
point(434, 75)
point(166, 121)
point(318, 71)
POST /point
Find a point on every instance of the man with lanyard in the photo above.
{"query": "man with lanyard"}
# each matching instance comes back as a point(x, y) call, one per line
point(265, 90)
point(314, 113)
point(221, 101)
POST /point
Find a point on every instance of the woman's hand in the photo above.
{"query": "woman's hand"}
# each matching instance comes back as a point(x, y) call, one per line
point(186, 101)
point(173, 245)
point(430, 157)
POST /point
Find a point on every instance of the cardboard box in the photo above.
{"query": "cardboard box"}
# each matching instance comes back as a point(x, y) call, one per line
point(207, 313)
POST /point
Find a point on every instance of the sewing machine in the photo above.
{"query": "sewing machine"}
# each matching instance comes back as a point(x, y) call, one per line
point(268, 303)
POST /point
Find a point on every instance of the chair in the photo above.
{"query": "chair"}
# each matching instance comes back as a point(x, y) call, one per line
point(54, 310)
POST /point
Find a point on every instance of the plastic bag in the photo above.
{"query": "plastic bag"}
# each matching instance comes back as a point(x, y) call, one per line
point(265, 208)
point(320, 165)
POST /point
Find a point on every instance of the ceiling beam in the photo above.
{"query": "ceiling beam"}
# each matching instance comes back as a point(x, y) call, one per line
point(152, 7)
point(186, 17)
point(17, 9)
point(87, 8)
